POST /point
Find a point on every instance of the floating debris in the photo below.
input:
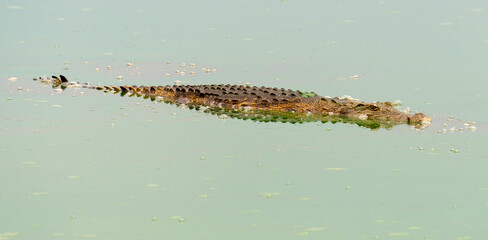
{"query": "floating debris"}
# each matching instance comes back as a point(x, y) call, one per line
point(40, 193)
point(399, 234)
point(14, 7)
point(331, 42)
point(442, 131)
point(270, 195)
point(335, 169)
point(8, 235)
point(347, 97)
point(477, 10)
point(397, 103)
point(314, 229)
point(13, 79)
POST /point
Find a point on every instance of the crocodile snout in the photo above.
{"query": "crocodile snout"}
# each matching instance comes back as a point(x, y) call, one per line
point(419, 118)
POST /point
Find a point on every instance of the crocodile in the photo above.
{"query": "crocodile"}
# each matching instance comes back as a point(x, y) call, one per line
point(264, 104)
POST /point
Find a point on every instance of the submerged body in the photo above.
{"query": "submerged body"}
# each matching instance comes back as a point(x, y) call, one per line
point(273, 104)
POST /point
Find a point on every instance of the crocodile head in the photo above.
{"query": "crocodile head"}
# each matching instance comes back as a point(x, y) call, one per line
point(381, 112)
point(387, 111)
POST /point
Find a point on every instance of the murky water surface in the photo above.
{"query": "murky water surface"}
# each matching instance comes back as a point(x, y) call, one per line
point(82, 164)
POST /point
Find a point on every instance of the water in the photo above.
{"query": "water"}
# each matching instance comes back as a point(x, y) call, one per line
point(83, 164)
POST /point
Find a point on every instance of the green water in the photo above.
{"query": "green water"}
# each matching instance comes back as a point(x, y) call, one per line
point(82, 164)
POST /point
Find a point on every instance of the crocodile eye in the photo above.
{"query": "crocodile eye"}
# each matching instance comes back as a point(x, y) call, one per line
point(373, 108)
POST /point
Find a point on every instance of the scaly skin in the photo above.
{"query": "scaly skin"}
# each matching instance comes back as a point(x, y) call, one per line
point(268, 104)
